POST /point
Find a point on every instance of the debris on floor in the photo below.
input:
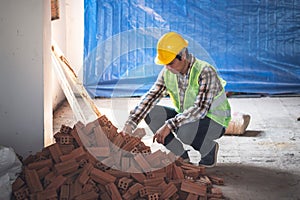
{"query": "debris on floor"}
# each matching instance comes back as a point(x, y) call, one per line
point(238, 124)
point(94, 161)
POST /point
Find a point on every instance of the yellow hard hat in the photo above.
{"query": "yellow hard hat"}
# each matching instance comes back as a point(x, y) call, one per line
point(168, 46)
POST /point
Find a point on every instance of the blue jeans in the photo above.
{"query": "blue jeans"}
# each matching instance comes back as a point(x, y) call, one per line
point(199, 134)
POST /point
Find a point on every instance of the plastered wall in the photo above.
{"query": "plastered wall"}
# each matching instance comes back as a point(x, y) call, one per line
point(24, 60)
point(29, 90)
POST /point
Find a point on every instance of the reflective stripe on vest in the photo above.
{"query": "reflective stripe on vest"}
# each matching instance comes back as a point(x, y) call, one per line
point(220, 108)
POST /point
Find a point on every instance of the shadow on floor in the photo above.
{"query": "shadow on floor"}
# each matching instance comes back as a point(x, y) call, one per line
point(249, 182)
point(248, 133)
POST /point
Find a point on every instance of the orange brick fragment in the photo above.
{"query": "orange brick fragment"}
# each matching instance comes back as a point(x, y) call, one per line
point(92, 195)
point(46, 194)
point(75, 189)
point(169, 191)
point(177, 172)
point(40, 164)
point(22, 193)
point(65, 129)
point(55, 152)
point(192, 197)
point(153, 181)
point(215, 193)
point(43, 172)
point(57, 182)
point(139, 177)
point(113, 191)
point(139, 132)
point(194, 188)
point(147, 190)
point(154, 196)
point(142, 162)
point(33, 181)
point(124, 183)
point(99, 151)
point(100, 137)
point(216, 180)
point(85, 174)
point(132, 192)
point(17, 184)
point(66, 167)
point(102, 177)
point(64, 192)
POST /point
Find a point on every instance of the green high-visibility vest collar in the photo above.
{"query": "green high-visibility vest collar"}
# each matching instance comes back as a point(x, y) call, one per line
point(220, 108)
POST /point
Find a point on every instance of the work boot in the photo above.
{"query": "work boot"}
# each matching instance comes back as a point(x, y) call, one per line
point(210, 159)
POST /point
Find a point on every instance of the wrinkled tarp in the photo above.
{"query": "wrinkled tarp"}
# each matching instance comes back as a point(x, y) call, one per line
point(255, 45)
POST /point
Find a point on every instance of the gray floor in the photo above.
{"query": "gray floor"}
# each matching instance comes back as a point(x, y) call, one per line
point(264, 163)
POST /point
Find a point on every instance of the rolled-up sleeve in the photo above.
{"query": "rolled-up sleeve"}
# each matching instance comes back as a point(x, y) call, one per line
point(150, 99)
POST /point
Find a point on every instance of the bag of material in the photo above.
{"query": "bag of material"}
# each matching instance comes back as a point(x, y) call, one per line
point(10, 167)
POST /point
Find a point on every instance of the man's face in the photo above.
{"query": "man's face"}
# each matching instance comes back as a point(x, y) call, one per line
point(176, 66)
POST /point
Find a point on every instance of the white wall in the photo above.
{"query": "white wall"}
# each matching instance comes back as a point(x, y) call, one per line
point(28, 88)
point(68, 32)
point(75, 33)
point(58, 28)
point(25, 30)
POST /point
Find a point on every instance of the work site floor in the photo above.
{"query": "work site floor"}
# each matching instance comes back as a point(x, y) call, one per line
point(263, 163)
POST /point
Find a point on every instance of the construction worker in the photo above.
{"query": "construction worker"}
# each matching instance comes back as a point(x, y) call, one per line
point(202, 111)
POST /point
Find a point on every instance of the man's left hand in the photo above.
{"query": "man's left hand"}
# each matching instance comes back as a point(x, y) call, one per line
point(161, 134)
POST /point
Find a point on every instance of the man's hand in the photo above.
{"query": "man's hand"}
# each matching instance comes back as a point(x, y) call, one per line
point(161, 134)
point(126, 130)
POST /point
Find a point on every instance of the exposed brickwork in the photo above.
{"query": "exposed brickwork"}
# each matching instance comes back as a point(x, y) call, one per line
point(94, 161)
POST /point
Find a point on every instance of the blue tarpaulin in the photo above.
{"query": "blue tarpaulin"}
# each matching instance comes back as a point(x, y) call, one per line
point(255, 45)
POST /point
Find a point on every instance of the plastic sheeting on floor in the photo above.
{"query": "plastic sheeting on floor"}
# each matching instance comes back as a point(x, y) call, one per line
point(255, 45)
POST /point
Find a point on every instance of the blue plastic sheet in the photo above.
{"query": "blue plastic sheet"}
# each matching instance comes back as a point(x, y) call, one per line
point(255, 45)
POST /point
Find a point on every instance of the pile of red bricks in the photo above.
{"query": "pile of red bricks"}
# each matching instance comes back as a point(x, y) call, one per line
point(94, 161)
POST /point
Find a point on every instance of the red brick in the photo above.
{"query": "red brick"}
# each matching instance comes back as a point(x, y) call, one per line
point(43, 172)
point(145, 166)
point(57, 182)
point(99, 151)
point(40, 164)
point(124, 183)
point(47, 194)
point(17, 184)
point(169, 191)
point(102, 177)
point(193, 188)
point(55, 152)
point(64, 192)
point(100, 137)
point(92, 195)
point(33, 181)
point(113, 191)
point(66, 167)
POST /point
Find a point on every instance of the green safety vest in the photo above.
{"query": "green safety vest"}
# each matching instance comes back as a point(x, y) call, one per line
point(220, 108)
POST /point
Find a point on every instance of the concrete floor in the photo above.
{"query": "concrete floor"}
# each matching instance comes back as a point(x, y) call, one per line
point(264, 163)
